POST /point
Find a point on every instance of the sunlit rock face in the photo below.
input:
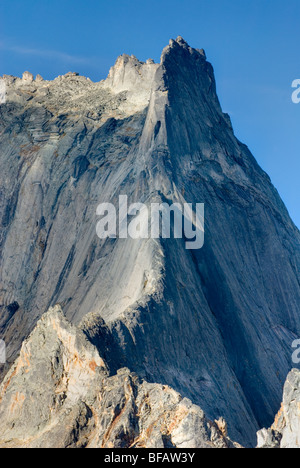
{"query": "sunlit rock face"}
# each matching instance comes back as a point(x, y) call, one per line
point(214, 324)
point(59, 394)
point(285, 432)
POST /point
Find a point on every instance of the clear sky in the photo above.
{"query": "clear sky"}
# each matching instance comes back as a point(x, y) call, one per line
point(253, 45)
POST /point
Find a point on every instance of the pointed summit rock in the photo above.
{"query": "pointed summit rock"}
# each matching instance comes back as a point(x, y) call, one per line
point(28, 77)
point(132, 76)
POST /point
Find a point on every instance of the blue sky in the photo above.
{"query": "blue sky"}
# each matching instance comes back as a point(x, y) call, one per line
point(252, 44)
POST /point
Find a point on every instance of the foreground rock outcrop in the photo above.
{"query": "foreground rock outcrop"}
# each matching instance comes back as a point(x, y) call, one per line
point(59, 394)
point(285, 432)
point(216, 324)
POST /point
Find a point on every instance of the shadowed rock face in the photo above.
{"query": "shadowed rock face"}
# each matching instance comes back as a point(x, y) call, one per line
point(215, 324)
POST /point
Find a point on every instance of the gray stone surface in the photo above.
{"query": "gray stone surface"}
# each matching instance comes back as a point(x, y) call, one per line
point(59, 394)
point(215, 324)
point(285, 432)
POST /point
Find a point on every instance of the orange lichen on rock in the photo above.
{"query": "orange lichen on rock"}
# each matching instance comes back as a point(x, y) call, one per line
point(278, 419)
point(17, 402)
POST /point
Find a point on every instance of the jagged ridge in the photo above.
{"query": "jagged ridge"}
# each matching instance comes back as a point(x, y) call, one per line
point(59, 394)
point(216, 325)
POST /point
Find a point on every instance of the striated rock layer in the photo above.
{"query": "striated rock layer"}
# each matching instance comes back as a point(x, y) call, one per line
point(215, 324)
point(59, 394)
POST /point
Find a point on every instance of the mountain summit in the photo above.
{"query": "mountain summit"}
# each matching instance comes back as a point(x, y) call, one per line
point(215, 324)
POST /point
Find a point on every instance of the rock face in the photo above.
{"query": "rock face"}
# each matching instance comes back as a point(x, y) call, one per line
point(285, 432)
point(59, 394)
point(215, 324)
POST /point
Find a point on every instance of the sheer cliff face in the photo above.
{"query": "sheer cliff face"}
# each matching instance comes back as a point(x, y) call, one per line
point(215, 324)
